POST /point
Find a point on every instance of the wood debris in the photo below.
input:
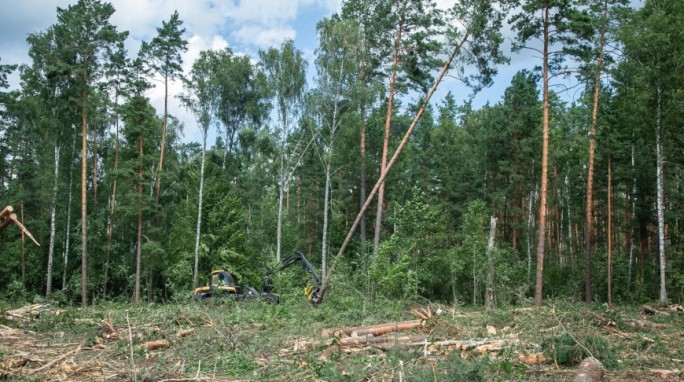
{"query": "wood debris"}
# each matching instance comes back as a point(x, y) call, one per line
point(154, 345)
point(26, 312)
point(590, 370)
point(375, 330)
point(653, 311)
point(108, 331)
point(184, 332)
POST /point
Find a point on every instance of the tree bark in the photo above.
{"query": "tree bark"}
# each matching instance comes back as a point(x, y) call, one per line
point(68, 224)
point(590, 171)
point(489, 294)
point(199, 210)
point(163, 137)
point(662, 295)
point(138, 254)
point(545, 160)
point(610, 237)
point(53, 223)
point(110, 226)
point(84, 186)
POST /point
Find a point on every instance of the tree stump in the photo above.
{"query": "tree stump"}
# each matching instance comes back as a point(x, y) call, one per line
point(590, 370)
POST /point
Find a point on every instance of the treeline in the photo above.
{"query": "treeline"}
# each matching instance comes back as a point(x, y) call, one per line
point(588, 195)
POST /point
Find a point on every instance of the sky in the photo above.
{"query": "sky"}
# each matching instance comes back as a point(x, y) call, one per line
point(246, 26)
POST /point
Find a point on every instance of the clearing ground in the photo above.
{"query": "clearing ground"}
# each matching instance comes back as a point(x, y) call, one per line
point(254, 341)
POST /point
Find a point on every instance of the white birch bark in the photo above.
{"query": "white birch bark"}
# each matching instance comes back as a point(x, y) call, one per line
point(662, 296)
point(199, 210)
point(53, 216)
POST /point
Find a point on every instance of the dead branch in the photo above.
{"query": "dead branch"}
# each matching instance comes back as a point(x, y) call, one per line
point(58, 359)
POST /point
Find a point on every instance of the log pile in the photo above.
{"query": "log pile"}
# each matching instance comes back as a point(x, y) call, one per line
point(379, 338)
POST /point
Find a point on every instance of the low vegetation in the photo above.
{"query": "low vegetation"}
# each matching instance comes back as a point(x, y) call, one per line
point(259, 341)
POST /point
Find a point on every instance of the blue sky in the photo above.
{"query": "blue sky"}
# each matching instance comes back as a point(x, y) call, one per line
point(246, 26)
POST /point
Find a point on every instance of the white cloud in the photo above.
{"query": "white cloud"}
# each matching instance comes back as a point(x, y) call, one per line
point(264, 37)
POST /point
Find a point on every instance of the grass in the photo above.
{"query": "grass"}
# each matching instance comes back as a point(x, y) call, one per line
point(243, 341)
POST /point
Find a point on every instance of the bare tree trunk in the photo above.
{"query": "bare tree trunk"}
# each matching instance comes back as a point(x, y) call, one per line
point(326, 197)
point(544, 174)
point(138, 253)
point(110, 225)
point(362, 185)
point(23, 247)
point(84, 195)
point(163, 137)
point(590, 171)
point(281, 193)
point(530, 222)
point(53, 216)
point(662, 295)
point(610, 237)
point(68, 225)
point(489, 294)
point(631, 242)
point(199, 210)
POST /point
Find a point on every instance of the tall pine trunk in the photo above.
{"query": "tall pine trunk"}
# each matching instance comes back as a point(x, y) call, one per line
point(163, 137)
point(590, 171)
point(489, 293)
point(544, 167)
point(281, 193)
point(68, 224)
point(84, 186)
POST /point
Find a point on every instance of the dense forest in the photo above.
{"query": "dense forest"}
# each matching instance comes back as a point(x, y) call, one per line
point(583, 199)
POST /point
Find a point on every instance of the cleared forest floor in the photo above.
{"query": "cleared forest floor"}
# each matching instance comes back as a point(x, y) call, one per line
point(255, 341)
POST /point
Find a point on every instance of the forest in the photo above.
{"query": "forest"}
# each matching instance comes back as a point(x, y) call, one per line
point(391, 193)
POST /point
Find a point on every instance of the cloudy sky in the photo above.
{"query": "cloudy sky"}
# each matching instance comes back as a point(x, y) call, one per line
point(246, 26)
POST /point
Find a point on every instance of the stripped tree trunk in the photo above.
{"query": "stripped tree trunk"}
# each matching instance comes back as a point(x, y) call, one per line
point(163, 137)
point(53, 215)
point(281, 193)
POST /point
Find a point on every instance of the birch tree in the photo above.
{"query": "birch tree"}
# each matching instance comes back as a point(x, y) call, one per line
point(286, 73)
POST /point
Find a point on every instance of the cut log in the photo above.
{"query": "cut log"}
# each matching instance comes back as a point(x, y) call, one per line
point(23, 229)
point(185, 332)
point(153, 345)
point(533, 358)
point(651, 310)
point(6, 211)
point(388, 340)
point(590, 370)
point(376, 330)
